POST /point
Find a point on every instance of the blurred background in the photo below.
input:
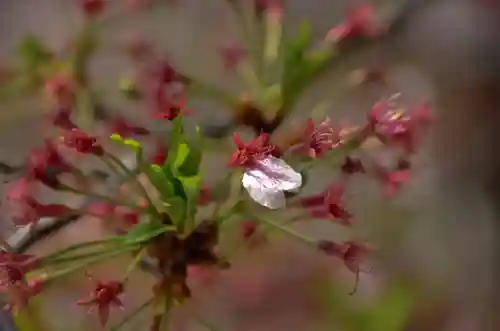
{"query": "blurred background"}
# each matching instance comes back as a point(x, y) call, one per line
point(438, 238)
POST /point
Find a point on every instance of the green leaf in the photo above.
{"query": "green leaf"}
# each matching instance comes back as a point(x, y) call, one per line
point(177, 210)
point(191, 163)
point(33, 53)
point(191, 186)
point(182, 152)
point(160, 181)
point(176, 138)
point(145, 231)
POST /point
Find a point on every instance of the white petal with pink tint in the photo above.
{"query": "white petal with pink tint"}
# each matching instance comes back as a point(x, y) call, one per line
point(267, 182)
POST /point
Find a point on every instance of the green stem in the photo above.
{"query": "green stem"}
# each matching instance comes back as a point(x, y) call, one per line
point(132, 314)
point(67, 188)
point(80, 266)
point(71, 258)
point(131, 175)
point(112, 167)
point(133, 264)
point(78, 246)
point(287, 230)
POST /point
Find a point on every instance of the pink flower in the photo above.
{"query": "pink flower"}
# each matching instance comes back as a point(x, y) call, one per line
point(160, 156)
point(205, 196)
point(328, 205)
point(127, 218)
point(232, 55)
point(13, 268)
point(62, 119)
point(397, 126)
point(125, 129)
point(92, 7)
point(318, 139)
point(352, 253)
point(171, 110)
point(61, 88)
point(82, 142)
point(45, 164)
point(275, 7)
point(103, 296)
point(393, 180)
point(361, 21)
point(247, 154)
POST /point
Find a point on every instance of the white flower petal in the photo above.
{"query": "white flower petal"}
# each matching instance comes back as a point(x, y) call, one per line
point(266, 196)
point(277, 174)
point(266, 182)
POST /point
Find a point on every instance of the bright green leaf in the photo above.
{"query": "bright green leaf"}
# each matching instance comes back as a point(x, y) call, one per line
point(160, 181)
point(191, 164)
point(128, 142)
point(181, 154)
point(177, 210)
point(191, 186)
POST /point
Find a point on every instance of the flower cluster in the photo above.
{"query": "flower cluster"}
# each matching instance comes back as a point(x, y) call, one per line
point(160, 225)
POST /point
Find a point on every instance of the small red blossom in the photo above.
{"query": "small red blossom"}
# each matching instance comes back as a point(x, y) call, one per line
point(25, 209)
point(161, 154)
point(20, 292)
point(92, 7)
point(82, 142)
point(13, 268)
point(319, 139)
point(138, 47)
point(202, 274)
point(393, 180)
point(397, 126)
point(29, 211)
point(232, 55)
point(128, 218)
point(205, 196)
point(102, 297)
point(101, 209)
point(328, 205)
point(45, 164)
point(273, 7)
point(352, 253)
point(248, 153)
point(61, 88)
point(125, 129)
point(156, 83)
point(361, 21)
point(248, 228)
point(352, 166)
point(62, 119)
point(171, 110)
point(251, 235)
